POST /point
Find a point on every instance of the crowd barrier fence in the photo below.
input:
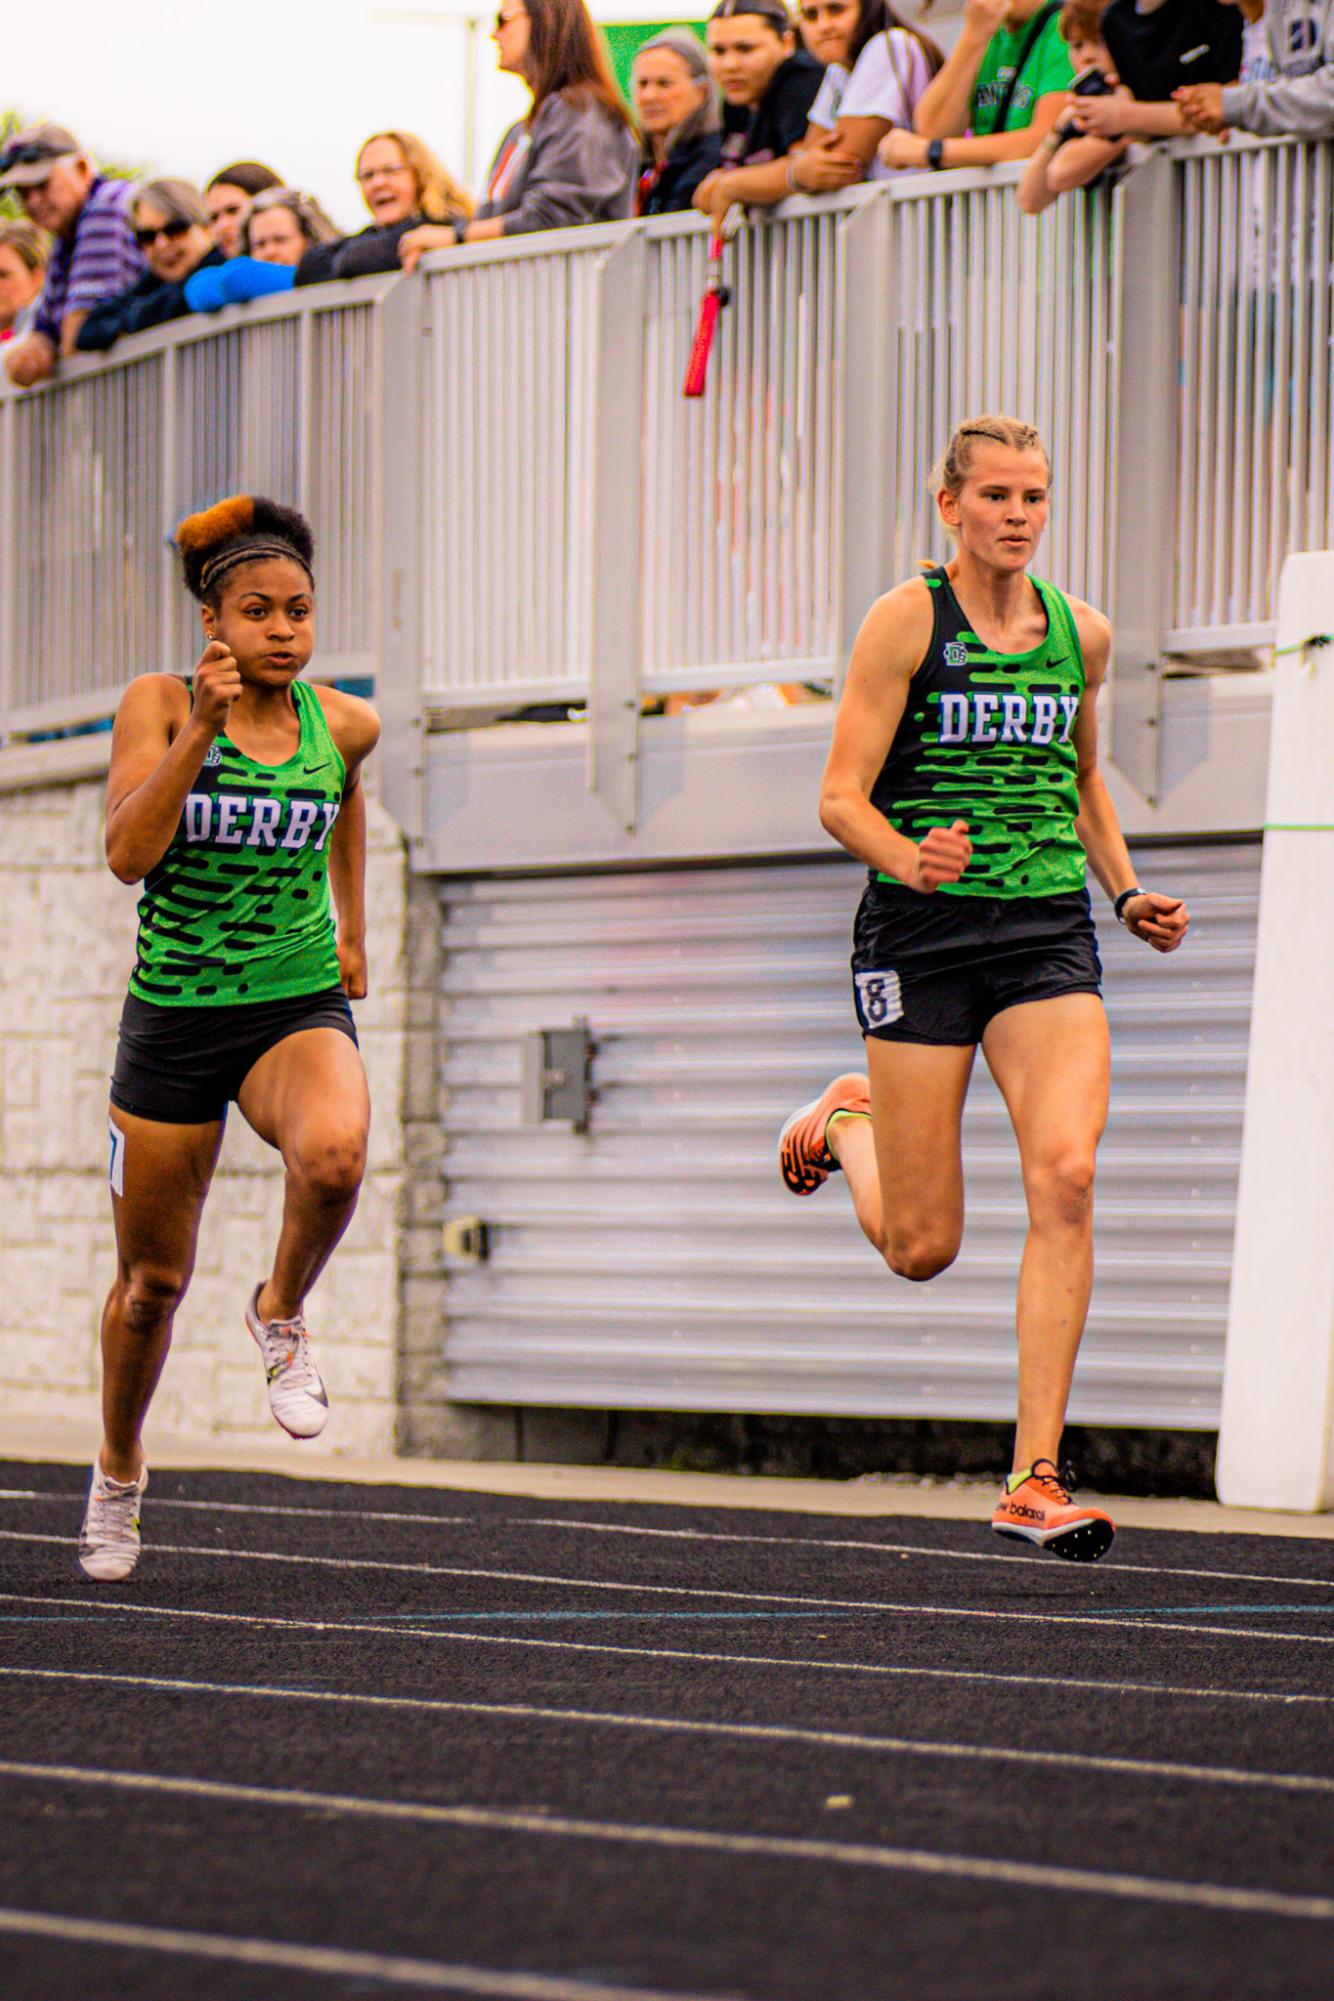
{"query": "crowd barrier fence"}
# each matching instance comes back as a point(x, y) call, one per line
point(515, 505)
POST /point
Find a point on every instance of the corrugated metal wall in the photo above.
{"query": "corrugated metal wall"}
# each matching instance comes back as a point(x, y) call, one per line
point(657, 1263)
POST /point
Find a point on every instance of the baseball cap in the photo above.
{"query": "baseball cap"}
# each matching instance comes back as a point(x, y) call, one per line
point(29, 155)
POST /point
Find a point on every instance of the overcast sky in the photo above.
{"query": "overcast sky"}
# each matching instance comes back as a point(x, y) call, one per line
point(183, 88)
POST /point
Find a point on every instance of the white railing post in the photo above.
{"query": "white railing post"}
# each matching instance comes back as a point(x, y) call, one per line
point(9, 506)
point(400, 514)
point(1276, 1440)
point(169, 583)
point(867, 433)
point(1144, 418)
point(617, 556)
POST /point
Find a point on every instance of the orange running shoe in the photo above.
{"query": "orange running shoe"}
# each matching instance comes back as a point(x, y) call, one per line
point(803, 1158)
point(1040, 1510)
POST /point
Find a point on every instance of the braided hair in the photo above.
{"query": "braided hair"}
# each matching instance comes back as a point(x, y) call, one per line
point(245, 528)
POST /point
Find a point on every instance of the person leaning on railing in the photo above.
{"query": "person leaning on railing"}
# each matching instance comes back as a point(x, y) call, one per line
point(24, 251)
point(768, 86)
point(280, 226)
point(93, 253)
point(1067, 158)
point(1298, 102)
point(680, 124)
point(172, 229)
point(403, 185)
point(229, 195)
point(1154, 56)
point(877, 71)
point(573, 159)
point(1002, 87)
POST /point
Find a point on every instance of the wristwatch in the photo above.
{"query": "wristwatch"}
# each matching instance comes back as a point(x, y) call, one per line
point(935, 154)
point(1119, 906)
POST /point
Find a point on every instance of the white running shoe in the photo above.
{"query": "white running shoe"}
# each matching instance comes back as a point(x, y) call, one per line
point(297, 1396)
point(109, 1538)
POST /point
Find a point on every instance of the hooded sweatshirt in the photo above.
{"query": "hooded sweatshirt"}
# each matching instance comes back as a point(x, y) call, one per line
point(1300, 100)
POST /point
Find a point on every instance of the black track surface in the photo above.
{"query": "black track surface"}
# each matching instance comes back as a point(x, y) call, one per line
point(1212, 1655)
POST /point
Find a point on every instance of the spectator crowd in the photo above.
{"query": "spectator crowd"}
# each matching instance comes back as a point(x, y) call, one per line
point(769, 106)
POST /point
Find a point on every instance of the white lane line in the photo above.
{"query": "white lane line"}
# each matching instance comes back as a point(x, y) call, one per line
point(1103, 1622)
point(426, 1975)
point(917, 1549)
point(847, 1543)
point(765, 1733)
point(1065, 1685)
point(787, 1848)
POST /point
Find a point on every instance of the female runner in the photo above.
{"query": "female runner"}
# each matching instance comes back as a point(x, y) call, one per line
point(236, 799)
point(964, 772)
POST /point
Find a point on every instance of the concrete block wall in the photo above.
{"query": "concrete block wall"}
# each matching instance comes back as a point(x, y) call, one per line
point(66, 947)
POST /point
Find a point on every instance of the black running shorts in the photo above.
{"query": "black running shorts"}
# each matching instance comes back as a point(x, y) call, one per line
point(183, 1065)
point(938, 968)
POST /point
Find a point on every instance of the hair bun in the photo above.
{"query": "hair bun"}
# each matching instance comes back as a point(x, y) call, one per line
point(200, 532)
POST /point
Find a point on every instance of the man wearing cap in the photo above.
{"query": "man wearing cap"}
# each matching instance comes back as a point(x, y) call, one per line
point(94, 255)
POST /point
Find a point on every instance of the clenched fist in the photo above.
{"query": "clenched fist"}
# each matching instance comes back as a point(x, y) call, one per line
point(942, 856)
point(217, 683)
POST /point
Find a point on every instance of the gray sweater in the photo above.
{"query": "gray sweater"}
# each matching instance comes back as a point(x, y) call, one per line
point(1300, 100)
point(575, 163)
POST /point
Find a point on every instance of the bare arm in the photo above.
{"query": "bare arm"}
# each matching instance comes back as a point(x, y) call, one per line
point(946, 105)
point(347, 879)
point(158, 747)
point(1121, 116)
point(356, 730)
point(908, 149)
point(69, 332)
point(894, 636)
point(1055, 170)
point(1161, 921)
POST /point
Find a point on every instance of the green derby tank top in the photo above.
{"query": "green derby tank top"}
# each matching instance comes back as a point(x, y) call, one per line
point(238, 909)
point(988, 738)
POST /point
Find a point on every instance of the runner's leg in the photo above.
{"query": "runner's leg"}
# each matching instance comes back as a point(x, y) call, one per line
point(307, 1097)
point(904, 1166)
point(1051, 1060)
point(166, 1174)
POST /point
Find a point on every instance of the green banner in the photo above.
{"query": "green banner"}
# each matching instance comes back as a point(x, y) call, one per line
point(625, 38)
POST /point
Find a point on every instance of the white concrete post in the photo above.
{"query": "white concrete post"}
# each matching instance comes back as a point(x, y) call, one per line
point(1276, 1448)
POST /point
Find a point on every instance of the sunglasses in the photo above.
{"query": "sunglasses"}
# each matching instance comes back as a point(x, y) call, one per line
point(173, 231)
point(503, 19)
point(25, 156)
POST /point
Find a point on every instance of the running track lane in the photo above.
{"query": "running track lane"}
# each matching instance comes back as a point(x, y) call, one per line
point(532, 1804)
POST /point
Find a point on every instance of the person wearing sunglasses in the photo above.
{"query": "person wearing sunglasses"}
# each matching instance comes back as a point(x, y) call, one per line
point(173, 230)
point(93, 252)
point(573, 159)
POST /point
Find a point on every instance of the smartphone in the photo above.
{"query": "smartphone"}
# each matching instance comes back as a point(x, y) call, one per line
point(1091, 83)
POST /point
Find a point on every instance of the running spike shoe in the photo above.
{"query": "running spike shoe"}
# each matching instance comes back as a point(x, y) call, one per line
point(297, 1397)
point(804, 1160)
point(109, 1538)
point(1039, 1510)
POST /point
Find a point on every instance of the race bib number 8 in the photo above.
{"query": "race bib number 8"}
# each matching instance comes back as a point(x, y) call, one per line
point(879, 998)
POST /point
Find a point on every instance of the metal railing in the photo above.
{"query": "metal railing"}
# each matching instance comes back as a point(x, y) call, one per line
point(97, 466)
point(1257, 378)
point(514, 503)
point(994, 310)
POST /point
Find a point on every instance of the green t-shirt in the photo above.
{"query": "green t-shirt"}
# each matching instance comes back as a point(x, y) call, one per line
point(1048, 68)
